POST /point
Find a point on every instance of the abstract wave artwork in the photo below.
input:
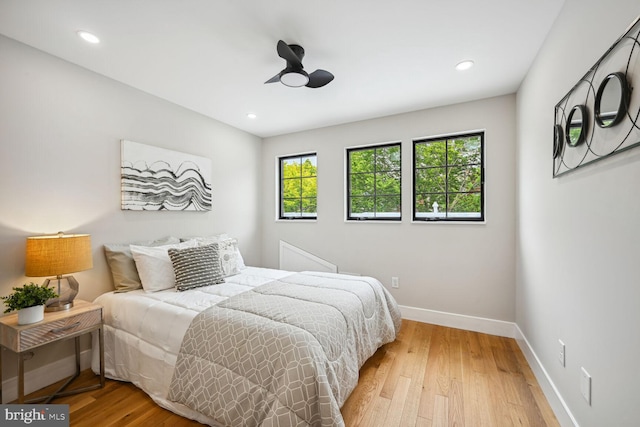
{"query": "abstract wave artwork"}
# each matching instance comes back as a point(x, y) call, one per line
point(155, 179)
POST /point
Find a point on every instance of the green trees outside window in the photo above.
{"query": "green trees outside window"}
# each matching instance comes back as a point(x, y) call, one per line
point(299, 187)
point(449, 178)
point(373, 182)
point(448, 181)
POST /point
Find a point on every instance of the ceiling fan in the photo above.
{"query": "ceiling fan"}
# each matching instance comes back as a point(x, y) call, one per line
point(294, 75)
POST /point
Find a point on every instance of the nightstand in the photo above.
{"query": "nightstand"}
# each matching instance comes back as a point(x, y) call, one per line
point(82, 318)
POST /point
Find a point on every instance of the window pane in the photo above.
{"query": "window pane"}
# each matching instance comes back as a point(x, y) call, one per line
point(298, 186)
point(388, 207)
point(362, 184)
point(431, 180)
point(448, 178)
point(362, 206)
point(464, 178)
point(309, 187)
point(291, 168)
point(361, 161)
point(308, 166)
point(464, 150)
point(291, 188)
point(388, 158)
point(291, 207)
point(388, 183)
point(423, 202)
point(309, 206)
point(464, 205)
point(431, 153)
point(431, 205)
point(374, 182)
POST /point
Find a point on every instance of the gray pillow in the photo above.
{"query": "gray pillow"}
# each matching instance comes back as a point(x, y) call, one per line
point(196, 267)
point(123, 267)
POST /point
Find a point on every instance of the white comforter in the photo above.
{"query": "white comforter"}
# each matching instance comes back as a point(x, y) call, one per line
point(286, 353)
point(143, 331)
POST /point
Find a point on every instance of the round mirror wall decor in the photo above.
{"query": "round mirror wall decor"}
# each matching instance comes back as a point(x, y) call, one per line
point(576, 128)
point(600, 115)
point(612, 100)
point(558, 141)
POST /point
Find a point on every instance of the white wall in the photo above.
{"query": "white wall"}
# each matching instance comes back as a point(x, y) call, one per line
point(578, 235)
point(60, 131)
point(457, 268)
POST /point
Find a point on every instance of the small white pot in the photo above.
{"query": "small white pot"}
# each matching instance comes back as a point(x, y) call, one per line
point(30, 315)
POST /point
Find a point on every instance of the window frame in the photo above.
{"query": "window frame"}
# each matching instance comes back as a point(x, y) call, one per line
point(280, 192)
point(449, 137)
point(348, 215)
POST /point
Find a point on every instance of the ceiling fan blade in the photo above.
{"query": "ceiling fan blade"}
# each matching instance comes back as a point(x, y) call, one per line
point(319, 78)
point(273, 79)
point(286, 53)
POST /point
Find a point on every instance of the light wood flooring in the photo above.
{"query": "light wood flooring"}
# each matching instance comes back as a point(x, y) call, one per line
point(430, 376)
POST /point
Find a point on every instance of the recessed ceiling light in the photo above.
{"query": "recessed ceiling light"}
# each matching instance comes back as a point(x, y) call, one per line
point(88, 37)
point(251, 115)
point(464, 65)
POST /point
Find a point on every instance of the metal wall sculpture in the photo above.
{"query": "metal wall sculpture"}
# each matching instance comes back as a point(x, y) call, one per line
point(599, 116)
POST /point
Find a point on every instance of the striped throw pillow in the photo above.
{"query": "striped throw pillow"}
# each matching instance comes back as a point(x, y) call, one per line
point(196, 267)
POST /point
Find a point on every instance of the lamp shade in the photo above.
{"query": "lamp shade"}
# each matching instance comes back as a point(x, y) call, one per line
point(58, 254)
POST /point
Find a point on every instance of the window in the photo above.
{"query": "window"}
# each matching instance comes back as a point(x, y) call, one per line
point(298, 187)
point(373, 183)
point(448, 180)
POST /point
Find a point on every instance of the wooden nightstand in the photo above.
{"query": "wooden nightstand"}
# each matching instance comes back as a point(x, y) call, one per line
point(82, 318)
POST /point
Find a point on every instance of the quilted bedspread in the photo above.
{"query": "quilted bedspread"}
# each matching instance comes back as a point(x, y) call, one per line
point(286, 353)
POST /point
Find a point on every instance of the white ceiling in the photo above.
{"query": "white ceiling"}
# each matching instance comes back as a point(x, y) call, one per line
point(213, 56)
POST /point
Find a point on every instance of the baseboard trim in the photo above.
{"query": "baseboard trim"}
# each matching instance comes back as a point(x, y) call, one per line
point(557, 403)
point(460, 321)
point(45, 375)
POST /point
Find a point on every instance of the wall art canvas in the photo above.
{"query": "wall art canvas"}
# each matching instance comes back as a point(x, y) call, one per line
point(155, 179)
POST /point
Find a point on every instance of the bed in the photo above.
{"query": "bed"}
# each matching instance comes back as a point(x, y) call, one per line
point(262, 347)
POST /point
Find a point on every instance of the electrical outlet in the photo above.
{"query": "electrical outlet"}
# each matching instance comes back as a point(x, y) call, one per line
point(585, 385)
point(561, 354)
point(395, 283)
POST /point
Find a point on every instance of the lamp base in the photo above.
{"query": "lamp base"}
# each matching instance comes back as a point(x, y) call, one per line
point(59, 306)
point(66, 293)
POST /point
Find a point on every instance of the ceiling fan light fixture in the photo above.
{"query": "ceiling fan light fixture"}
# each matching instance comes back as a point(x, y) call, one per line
point(294, 78)
point(294, 75)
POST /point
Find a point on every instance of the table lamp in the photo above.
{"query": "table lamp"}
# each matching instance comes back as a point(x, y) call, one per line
point(55, 255)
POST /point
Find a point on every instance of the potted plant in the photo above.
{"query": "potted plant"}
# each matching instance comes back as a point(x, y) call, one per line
point(29, 300)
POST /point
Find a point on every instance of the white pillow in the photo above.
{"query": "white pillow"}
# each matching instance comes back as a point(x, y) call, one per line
point(228, 254)
point(154, 265)
point(231, 260)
